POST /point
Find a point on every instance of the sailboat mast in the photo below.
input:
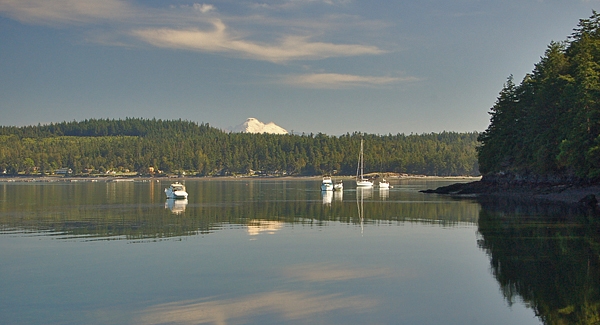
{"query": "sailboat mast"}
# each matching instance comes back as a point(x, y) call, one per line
point(360, 179)
point(362, 157)
point(358, 165)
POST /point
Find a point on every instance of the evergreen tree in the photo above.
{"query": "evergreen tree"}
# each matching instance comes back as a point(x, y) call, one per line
point(549, 125)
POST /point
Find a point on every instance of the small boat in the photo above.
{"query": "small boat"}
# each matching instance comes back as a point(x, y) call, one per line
point(364, 183)
point(338, 186)
point(176, 191)
point(327, 184)
point(384, 184)
point(361, 181)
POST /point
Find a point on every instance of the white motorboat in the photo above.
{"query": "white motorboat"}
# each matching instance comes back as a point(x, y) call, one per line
point(327, 184)
point(361, 181)
point(176, 191)
point(338, 186)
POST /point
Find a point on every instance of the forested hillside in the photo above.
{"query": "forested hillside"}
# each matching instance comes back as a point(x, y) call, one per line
point(548, 126)
point(101, 146)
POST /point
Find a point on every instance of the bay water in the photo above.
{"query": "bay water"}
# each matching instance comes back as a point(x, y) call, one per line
point(280, 251)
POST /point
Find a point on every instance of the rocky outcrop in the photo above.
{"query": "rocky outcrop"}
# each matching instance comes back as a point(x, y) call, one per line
point(571, 191)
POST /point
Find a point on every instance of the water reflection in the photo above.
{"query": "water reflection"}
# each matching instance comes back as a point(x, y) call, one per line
point(258, 252)
point(384, 193)
point(361, 194)
point(138, 210)
point(545, 255)
point(256, 227)
point(176, 206)
point(280, 305)
point(364, 192)
point(283, 306)
point(325, 272)
point(327, 197)
point(338, 196)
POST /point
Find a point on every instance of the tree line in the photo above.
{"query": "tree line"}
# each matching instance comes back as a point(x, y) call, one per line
point(548, 126)
point(176, 146)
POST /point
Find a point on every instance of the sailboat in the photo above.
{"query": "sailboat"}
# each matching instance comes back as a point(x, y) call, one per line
point(361, 181)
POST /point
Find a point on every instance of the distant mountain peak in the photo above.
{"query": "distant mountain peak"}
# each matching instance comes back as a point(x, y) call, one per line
point(253, 125)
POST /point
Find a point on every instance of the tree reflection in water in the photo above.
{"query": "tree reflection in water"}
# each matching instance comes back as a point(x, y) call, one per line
point(139, 211)
point(546, 255)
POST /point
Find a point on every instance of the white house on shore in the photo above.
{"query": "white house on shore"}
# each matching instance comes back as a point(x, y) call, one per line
point(63, 171)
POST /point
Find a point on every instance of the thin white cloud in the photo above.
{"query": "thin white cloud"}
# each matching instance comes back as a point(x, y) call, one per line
point(294, 4)
point(220, 40)
point(337, 80)
point(179, 28)
point(66, 11)
point(203, 8)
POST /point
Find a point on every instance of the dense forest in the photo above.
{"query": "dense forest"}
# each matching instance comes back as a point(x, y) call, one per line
point(100, 146)
point(548, 126)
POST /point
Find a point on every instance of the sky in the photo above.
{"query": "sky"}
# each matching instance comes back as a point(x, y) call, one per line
point(310, 66)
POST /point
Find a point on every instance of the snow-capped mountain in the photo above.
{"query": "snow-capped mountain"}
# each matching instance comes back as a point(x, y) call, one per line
point(252, 125)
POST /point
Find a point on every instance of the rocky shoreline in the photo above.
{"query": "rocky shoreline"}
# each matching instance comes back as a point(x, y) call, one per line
point(561, 193)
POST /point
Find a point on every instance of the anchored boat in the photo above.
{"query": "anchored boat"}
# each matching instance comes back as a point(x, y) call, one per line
point(327, 184)
point(361, 181)
point(176, 191)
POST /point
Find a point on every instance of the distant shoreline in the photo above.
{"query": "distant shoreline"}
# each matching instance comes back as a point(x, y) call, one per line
point(130, 178)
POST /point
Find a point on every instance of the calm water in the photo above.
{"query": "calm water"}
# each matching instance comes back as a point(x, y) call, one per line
point(278, 251)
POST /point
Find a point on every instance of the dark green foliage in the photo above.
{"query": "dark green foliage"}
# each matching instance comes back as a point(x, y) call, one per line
point(106, 127)
point(175, 146)
point(549, 125)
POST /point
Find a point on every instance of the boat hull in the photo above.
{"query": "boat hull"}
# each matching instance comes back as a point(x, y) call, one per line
point(176, 195)
point(326, 187)
point(176, 191)
point(364, 183)
point(327, 184)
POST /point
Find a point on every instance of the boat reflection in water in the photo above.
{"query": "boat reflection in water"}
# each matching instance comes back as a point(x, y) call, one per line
point(384, 192)
point(327, 197)
point(362, 193)
point(177, 206)
point(338, 195)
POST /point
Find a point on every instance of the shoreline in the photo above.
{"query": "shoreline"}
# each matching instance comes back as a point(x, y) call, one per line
point(582, 195)
point(146, 178)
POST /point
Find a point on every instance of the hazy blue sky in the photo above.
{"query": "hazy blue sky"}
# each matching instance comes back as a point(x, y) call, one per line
point(330, 66)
